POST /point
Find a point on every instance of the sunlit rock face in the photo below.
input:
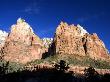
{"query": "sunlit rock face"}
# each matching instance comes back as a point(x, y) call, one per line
point(76, 41)
point(95, 48)
point(3, 36)
point(22, 45)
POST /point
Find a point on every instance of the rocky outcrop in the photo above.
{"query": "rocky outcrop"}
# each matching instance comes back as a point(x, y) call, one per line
point(22, 45)
point(76, 41)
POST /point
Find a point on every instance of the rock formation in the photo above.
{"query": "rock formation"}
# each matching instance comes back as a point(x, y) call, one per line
point(22, 45)
point(75, 41)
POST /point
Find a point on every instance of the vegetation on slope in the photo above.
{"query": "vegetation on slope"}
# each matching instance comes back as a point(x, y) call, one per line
point(86, 61)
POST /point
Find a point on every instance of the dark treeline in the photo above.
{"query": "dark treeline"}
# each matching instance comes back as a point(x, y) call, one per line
point(57, 74)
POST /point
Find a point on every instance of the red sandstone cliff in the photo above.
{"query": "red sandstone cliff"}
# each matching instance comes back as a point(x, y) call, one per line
point(75, 41)
point(22, 45)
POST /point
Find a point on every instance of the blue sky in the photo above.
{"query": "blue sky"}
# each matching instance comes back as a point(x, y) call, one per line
point(45, 15)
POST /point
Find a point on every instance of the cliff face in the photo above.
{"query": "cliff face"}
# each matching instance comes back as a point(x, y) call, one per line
point(95, 48)
point(75, 41)
point(22, 45)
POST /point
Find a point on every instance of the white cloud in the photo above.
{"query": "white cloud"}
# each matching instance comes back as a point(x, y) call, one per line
point(89, 17)
point(32, 8)
point(82, 19)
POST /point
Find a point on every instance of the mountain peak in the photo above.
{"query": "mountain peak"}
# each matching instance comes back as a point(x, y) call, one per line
point(63, 23)
point(22, 45)
point(20, 20)
point(22, 27)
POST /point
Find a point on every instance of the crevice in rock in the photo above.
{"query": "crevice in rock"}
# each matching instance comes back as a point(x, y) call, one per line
point(84, 44)
point(85, 48)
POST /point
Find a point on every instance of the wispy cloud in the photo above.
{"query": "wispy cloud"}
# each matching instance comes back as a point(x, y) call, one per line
point(82, 19)
point(32, 8)
point(90, 17)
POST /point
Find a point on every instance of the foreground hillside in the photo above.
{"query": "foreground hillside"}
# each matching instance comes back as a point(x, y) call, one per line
point(59, 72)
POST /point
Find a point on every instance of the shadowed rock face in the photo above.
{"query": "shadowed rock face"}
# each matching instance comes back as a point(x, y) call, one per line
point(74, 40)
point(22, 45)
